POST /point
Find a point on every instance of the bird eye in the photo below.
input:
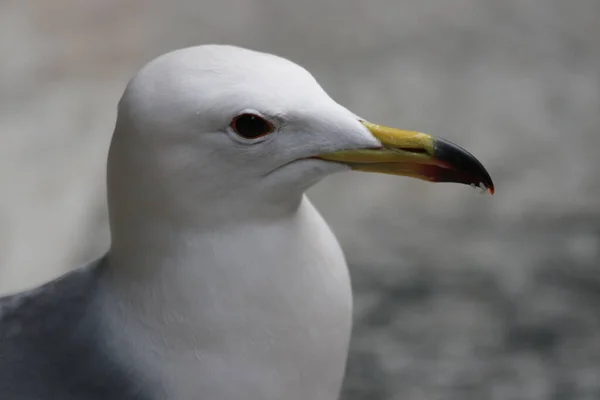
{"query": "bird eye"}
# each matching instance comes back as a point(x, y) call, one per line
point(251, 126)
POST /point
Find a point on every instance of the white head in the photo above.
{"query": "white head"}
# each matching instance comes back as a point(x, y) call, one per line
point(176, 154)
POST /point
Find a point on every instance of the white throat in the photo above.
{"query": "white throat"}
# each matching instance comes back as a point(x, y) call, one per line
point(255, 311)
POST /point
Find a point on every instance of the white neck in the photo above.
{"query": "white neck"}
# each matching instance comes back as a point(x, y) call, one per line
point(252, 311)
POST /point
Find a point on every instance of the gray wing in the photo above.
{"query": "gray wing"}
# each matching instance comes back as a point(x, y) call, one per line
point(50, 344)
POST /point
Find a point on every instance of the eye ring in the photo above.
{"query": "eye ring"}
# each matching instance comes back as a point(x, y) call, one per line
point(251, 126)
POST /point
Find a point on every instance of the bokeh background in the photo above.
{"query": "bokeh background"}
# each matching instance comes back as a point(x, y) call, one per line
point(458, 295)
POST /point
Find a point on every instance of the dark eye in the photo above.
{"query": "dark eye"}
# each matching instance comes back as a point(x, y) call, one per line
point(251, 126)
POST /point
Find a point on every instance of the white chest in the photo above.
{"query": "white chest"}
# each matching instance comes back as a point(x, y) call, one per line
point(260, 313)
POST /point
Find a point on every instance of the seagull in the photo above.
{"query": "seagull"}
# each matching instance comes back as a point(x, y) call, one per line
point(222, 281)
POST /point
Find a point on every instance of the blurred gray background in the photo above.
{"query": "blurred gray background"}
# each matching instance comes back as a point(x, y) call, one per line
point(458, 295)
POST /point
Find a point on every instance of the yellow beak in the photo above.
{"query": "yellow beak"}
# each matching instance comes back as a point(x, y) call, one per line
point(417, 155)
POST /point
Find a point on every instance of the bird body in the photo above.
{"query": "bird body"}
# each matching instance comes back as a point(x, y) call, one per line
point(222, 280)
point(193, 315)
point(268, 306)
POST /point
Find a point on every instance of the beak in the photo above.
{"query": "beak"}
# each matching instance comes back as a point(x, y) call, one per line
point(417, 155)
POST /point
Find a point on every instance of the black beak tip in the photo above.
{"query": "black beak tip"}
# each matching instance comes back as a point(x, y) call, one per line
point(463, 167)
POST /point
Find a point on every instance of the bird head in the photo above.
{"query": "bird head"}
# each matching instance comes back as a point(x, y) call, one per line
point(246, 131)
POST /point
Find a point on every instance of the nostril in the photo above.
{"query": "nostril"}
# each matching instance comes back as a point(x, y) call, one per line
point(411, 150)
